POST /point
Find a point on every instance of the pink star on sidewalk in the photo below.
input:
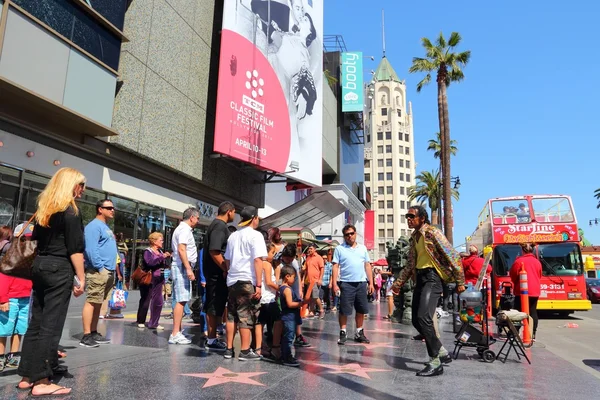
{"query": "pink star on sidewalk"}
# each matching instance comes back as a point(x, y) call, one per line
point(372, 346)
point(352, 369)
point(383, 330)
point(222, 375)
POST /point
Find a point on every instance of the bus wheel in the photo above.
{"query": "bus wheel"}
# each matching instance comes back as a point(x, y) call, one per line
point(564, 314)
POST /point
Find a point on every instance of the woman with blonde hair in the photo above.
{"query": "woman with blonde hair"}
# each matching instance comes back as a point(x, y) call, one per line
point(59, 233)
point(154, 262)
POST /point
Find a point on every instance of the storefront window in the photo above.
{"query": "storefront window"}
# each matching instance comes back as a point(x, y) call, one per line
point(9, 195)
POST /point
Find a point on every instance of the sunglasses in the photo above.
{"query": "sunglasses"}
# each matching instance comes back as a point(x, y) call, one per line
point(410, 216)
point(348, 234)
point(108, 208)
point(82, 185)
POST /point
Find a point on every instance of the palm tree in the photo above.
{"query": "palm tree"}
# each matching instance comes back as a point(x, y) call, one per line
point(597, 196)
point(436, 146)
point(441, 59)
point(428, 190)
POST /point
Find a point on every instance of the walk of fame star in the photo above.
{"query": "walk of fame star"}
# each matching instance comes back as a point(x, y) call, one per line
point(372, 346)
point(352, 369)
point(222, 375)
point(383, 330)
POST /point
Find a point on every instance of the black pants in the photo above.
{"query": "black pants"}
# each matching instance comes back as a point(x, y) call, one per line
point(326, 296)
point(52, 279)
point(425, 299)
point(532, 310)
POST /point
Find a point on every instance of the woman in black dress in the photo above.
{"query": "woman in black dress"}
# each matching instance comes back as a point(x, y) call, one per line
point(59, 233)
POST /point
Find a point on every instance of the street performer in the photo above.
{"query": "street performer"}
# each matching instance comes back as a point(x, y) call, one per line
point(435, 262)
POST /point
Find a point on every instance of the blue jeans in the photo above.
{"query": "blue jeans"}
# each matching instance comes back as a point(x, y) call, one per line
point(287, 338)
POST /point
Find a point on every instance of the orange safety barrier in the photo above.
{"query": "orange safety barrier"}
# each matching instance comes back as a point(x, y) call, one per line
point(524, 304)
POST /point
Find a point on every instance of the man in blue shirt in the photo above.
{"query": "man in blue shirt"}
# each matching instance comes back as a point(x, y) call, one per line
point(352, 268)
point(100, 263)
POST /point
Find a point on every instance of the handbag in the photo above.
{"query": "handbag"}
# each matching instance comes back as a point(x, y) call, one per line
point(18, 259)
point(142, 277)
point(118, 300)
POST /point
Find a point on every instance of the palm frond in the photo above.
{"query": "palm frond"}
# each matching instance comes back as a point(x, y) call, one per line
point(426, 43)
point(454, 39)
point(424, 82)
point(421, 65)
point(440, 41)
point(463, 58)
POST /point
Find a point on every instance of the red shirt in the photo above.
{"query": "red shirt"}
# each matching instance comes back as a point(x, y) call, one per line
point(534, 274)
point(472, 267)
point(13, 288)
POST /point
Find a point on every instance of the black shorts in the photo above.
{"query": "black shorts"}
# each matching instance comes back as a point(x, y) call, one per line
point(353, 296)
point(216, 297)
point(269, 313)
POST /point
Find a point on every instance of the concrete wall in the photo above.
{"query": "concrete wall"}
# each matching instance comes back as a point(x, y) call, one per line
point(163, 110)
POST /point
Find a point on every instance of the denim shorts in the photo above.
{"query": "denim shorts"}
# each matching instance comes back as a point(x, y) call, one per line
point(353, 297)
point(16, 319)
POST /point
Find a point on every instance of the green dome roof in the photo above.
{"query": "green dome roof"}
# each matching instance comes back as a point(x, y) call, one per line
point(385, 71)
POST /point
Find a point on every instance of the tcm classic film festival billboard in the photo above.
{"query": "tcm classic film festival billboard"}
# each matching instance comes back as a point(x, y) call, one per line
point(352, 82)
point(269, 101)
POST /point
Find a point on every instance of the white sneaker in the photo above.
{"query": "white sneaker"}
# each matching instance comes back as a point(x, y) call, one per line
point(141, 325)
point(179, 339)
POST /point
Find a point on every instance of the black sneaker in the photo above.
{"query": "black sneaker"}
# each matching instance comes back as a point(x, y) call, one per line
point(270, 357)
point(229, 353)
point(360, 337)
point(216, 346)
point(343, 337)
point(98, 338)
point(291, 362)
point(301, 342)
point(248, 355)
point(88, 341)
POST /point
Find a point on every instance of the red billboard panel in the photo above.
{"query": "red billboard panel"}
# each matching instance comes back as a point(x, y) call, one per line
point(370, 229)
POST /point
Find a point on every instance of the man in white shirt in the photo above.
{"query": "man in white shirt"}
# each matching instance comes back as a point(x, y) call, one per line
point(244, 255)
point(185, 256)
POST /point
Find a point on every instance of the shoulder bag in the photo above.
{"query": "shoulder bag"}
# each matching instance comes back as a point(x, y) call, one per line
point(18, 260)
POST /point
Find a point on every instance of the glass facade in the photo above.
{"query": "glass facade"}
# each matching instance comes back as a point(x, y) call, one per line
point(78, 26)
point(134, 220)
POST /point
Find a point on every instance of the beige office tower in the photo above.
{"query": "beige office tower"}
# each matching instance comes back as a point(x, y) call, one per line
point(389, 154)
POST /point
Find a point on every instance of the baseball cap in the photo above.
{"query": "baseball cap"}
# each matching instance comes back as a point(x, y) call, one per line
point(248, 214)
point(27, 232)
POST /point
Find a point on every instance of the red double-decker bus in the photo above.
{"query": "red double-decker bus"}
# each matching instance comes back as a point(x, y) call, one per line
point(549, 222)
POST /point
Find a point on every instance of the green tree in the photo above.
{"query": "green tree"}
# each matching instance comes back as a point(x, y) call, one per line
point(435, 145)
point(442, 59)
point(597, 196)
point(427, 190)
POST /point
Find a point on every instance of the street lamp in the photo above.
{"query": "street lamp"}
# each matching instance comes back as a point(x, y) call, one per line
point(455, 180)
point(595, 221)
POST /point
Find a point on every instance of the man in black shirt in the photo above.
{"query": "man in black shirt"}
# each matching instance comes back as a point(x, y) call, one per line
point(215, 272)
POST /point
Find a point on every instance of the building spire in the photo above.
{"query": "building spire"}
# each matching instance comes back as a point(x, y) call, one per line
point(383, 30)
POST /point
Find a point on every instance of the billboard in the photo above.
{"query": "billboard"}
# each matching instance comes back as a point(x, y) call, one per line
point(352, 82)
point(269, 99)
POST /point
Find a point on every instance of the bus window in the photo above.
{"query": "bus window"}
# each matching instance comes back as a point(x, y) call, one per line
point(504, 257)
point(555, 209)
point(560, 259)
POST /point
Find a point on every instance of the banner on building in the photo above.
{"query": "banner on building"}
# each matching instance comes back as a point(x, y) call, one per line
point(269, 98)
point(352, 82)
point(370, 229)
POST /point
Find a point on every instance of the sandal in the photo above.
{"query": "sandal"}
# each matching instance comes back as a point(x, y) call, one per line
point(61, 354)
point(59, 391)
point(28, 387)
point(387, 317)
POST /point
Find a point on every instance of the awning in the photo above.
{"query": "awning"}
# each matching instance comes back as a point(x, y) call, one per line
point(307, 236)
point(307, 213)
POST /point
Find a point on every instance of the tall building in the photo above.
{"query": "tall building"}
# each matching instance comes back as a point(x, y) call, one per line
point(389, 156)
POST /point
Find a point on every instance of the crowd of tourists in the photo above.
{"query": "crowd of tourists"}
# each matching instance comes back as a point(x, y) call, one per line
point(259, 287)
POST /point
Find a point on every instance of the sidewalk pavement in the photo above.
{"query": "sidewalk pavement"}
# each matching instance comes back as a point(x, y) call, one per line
point(140, 364)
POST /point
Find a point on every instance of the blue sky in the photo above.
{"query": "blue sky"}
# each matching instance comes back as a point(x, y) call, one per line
point(524, 117)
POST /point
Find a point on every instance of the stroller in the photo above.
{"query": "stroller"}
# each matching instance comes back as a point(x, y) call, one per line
point(469, 334)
